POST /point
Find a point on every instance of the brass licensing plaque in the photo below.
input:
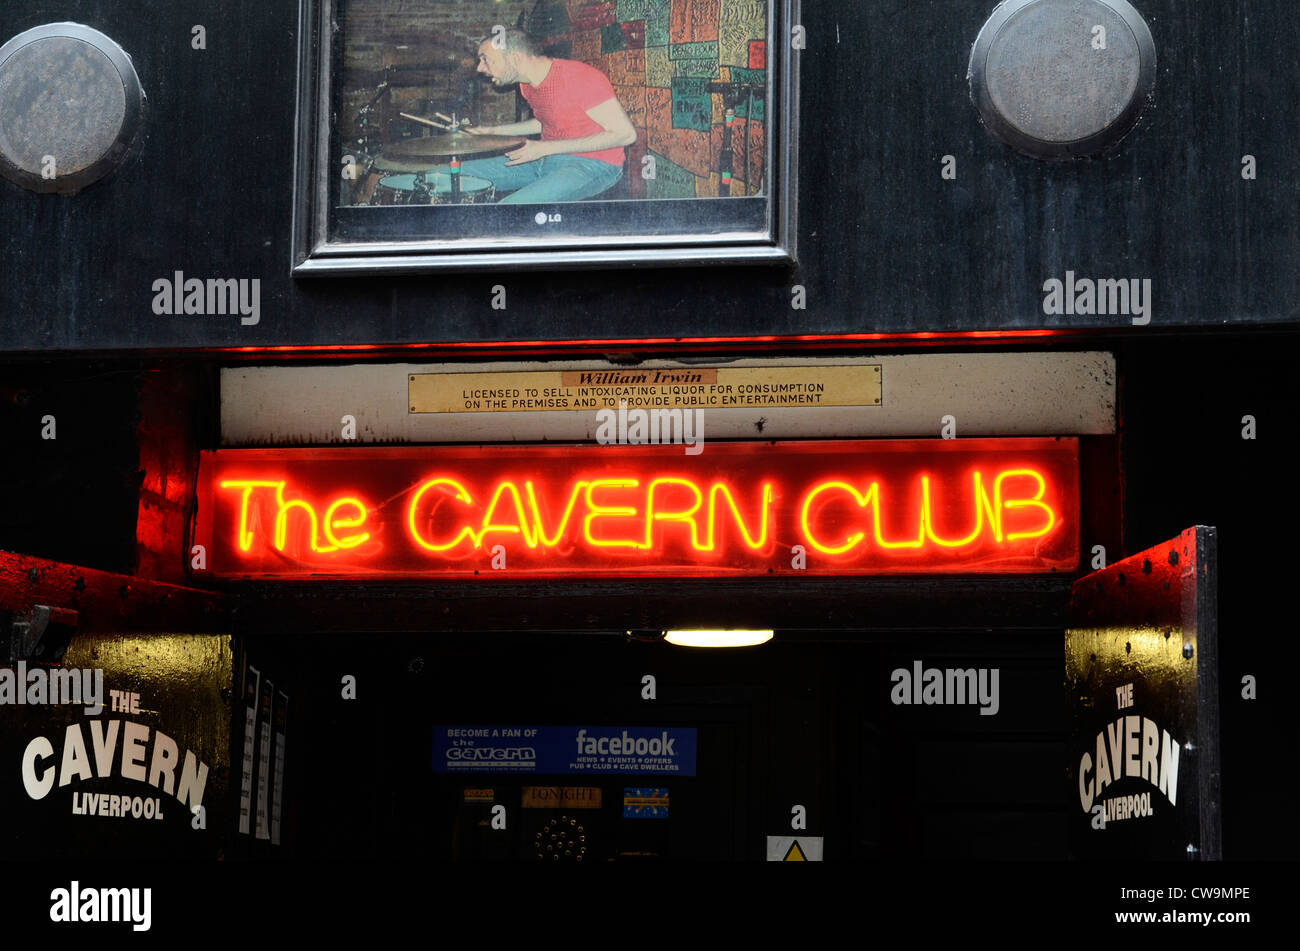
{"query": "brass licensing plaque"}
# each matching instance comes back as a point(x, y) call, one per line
point(675, 388)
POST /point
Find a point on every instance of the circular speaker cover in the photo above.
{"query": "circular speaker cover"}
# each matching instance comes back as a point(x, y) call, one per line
point(1062, 78)
point(70, 107)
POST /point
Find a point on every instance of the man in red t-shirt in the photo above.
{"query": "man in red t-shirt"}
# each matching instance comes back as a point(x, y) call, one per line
point(582, 124)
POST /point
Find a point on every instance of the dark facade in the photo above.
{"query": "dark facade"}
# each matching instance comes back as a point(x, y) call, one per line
point(892, 256)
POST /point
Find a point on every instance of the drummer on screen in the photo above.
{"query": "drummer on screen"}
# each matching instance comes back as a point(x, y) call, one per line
point(582, 124)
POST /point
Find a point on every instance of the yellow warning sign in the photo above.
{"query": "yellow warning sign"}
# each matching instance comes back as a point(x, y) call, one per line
point(794, 848)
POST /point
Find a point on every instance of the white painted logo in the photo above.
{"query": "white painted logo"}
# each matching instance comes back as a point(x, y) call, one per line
point(1130, 747)
point(116, 746)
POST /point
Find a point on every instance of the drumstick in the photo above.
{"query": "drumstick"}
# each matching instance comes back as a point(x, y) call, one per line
point(436, 125)
point(444, 118)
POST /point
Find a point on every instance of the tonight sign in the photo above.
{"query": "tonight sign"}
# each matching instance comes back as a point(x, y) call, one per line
point(819, 508)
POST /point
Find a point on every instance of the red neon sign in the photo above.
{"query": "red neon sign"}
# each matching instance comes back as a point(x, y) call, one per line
point(812, 508)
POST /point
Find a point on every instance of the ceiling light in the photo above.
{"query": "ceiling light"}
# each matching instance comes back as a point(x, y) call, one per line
point(717, 638)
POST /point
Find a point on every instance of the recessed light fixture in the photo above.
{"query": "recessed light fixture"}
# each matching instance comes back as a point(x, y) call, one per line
point(717, 638)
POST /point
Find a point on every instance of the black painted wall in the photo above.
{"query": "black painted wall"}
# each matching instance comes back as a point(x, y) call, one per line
point(885, 244)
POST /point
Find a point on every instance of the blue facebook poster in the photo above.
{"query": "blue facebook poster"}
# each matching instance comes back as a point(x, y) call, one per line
point(564, 750)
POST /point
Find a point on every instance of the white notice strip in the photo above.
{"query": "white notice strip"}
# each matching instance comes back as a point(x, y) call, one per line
point(246, 774)
point(264, 762)
point(277, 795)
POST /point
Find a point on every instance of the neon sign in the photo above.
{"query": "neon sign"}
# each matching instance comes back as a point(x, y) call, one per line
point(812, 508)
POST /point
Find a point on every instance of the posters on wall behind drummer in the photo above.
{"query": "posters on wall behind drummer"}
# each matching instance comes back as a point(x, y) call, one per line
point(699, 83)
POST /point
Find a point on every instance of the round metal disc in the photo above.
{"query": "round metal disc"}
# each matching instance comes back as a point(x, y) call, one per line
point(70, 106)
point(1062, 78)
point(453, 143)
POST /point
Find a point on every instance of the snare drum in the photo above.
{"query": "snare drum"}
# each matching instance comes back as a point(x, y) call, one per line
point(399, 190)
point(473, 191)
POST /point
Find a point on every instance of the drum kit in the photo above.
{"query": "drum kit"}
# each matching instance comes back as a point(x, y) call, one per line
point(426, 171)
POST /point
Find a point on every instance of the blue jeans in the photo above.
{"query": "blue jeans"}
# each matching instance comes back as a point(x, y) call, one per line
point(553, 178)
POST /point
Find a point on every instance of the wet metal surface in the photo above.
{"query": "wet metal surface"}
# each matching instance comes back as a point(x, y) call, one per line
point(173, 692)
point(70, 105)
point(61, 97)
point(1141, 662)
point(1062, 78)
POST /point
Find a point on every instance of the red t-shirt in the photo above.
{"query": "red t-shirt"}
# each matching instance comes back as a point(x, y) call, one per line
point(561, 102)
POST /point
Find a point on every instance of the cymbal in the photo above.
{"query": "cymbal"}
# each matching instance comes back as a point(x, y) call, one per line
point(386, 163)
point(453, 143)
